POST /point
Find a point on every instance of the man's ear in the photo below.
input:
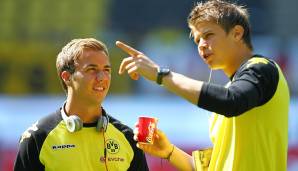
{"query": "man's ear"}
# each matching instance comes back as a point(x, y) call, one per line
point(238, 32)
point(65, 76)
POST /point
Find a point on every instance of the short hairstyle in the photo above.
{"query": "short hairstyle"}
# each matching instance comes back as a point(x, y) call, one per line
point(70, 53)
point(226, 14)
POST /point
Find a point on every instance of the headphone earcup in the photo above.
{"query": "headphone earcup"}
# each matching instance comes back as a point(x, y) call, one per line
point(73, 123)
point(102, 123)
point(105, 123)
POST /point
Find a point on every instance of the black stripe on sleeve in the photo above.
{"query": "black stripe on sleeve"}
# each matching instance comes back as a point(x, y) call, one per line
point(252, 86)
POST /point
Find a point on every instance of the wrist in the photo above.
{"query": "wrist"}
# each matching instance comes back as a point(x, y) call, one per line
point(169, 155)
point(161, 73)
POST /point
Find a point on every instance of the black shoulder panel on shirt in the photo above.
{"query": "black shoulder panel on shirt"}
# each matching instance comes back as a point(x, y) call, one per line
point(253, 84)
point(264, 75)
point(46, 125)
point(49, 122)
point(31, 143)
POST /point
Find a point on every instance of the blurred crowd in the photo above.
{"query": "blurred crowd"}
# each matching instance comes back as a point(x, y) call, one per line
point(31, 34)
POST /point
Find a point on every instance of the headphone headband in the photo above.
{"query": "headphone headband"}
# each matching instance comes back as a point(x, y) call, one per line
point(74, 123)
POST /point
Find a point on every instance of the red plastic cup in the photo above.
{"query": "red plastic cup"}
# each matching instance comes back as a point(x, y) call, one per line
point(146, 129)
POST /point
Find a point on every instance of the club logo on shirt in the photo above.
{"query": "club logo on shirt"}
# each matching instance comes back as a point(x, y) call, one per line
point(112, 146)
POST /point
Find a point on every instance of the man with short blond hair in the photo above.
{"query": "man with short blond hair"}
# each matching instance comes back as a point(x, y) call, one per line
point(81, 135)
point(249, 123)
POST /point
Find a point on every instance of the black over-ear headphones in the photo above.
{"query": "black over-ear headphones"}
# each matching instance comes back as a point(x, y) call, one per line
point(74, 123)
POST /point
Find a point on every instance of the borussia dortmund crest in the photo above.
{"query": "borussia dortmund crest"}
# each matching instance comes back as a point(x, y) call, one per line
point(112, 146)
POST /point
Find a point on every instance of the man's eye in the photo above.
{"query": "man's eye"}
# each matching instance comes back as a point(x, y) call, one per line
point(91, 69)
point(107, 70)
point(208, 35)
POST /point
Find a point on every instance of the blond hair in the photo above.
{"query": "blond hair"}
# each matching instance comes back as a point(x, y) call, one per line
point(226, 14)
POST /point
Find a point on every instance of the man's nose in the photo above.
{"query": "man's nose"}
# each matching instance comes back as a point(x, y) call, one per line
point(202, 44)
point(100, 75)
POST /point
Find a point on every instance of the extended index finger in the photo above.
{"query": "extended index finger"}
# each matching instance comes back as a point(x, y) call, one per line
point(126, 48)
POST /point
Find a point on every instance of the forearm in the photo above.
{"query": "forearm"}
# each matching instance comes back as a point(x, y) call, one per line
point(183, 86)
point(181, 160)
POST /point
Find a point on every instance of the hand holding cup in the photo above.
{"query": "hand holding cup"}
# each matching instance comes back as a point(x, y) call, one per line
point(154, 143)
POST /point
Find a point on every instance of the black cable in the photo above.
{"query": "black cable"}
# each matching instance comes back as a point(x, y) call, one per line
point(105, 150)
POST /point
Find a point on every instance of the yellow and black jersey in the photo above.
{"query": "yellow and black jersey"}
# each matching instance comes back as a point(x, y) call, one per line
point(48, 145)
point(249, 126)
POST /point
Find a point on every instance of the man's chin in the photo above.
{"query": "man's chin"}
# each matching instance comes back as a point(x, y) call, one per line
point(100, 100)
point(214, 66)
point(95, 101)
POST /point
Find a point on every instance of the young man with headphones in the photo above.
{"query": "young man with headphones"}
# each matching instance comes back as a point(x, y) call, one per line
point(81, 135)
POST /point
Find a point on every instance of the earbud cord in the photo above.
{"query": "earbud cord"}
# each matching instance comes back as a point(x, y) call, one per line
point(210, 75)
point(209, 80)
point(105, 149)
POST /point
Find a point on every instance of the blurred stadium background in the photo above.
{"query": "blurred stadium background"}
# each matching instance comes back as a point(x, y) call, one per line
point(33, 32)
